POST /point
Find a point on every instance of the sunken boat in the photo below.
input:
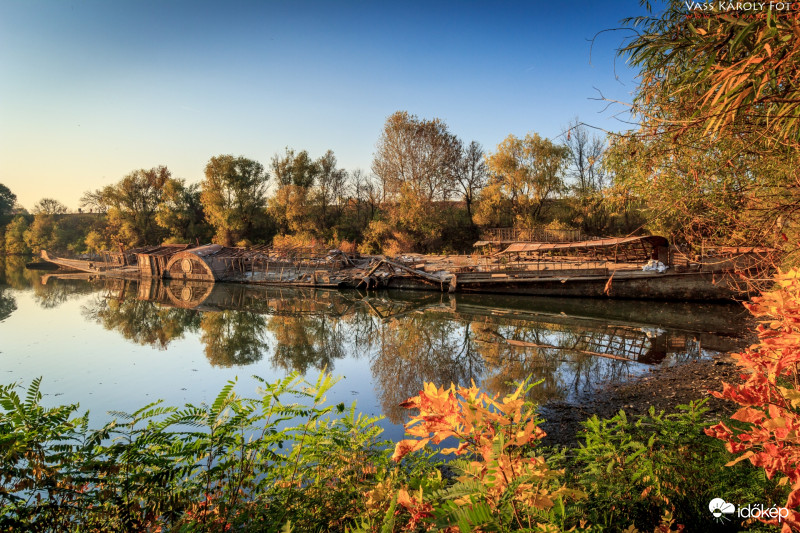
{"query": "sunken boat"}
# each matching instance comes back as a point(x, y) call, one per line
point(639, 267)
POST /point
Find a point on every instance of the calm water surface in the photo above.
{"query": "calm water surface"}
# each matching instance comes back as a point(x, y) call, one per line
point(111, 344)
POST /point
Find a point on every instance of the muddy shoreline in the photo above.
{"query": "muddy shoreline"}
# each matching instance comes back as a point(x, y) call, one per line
point(664, 388)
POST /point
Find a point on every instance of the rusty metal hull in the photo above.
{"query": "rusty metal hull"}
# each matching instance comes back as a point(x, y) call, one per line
point(694, 285)
point(688, 286)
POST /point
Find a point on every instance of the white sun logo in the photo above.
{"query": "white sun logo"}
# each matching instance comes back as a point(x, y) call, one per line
point(719, 508)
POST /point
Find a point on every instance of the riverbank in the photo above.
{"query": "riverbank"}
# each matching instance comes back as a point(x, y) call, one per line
point(664, 388)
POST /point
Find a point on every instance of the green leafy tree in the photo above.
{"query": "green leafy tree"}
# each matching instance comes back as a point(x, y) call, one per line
point(181, 213)
point(7, 201)
point(233, 337)
point(42, 233)
point(131, 206)
point(234, 198)
point(15, 236)
point(60, 233)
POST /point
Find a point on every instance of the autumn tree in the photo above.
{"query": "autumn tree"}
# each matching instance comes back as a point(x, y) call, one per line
point(524, 175)
point(294, 169)
point(749, 82)
point(587, 177)
point(7, 201)
point(330, 190)
point(49, 206)
point(713, 191)
point(416, 161)
point(92, 202)
point(364, 193)
point(715, 158)
point(416, 157)
point(295, 174)
point(471, 174)
point(234, 198)
point(44, 232)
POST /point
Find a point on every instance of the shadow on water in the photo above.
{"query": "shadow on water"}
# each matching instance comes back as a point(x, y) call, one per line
point(407, 338)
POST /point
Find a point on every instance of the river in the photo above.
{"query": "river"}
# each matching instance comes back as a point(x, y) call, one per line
point(117, 345)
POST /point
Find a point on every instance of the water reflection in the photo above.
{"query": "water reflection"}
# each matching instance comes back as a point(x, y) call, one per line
point(233, 337)
point(117, 306)
point(15, 275)
point(408, 338)
point(7, 304)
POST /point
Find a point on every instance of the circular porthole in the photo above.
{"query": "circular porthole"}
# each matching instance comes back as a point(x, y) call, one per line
point(186, 265)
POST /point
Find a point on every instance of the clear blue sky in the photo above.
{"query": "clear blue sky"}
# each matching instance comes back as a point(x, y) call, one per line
point(91, 90)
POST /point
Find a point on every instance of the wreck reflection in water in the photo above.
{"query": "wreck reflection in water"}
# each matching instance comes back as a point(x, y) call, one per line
point(408, 338)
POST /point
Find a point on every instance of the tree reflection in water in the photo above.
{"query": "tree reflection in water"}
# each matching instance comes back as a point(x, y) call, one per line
point(16, 275)
point(405, 339)
point(418, 348)
point(233, 337)
point(7, 303)
point(306, 343)
point(50, 293)
point(140, 321)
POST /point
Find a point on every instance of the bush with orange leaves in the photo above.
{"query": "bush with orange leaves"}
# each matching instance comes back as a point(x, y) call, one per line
point(501, 481)
point(769, 433)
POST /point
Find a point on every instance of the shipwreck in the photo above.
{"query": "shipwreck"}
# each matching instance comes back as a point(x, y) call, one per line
point(638, 267)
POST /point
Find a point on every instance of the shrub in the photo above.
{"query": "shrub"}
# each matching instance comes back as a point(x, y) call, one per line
point(765, 430)
point(657, 468)
point(501, 483)
point(250, 464)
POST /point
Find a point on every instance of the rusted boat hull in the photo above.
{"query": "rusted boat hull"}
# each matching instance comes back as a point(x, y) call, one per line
point(686, 286)
point(202, 264)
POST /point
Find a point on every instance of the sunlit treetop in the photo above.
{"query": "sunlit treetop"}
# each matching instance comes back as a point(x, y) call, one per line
point(711, 66)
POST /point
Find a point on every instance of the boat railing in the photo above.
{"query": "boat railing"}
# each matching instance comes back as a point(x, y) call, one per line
point(536, 234)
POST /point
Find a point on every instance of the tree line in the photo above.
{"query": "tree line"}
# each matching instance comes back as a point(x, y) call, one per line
point(426, 191)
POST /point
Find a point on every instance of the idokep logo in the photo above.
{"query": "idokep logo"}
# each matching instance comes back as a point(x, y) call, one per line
point(719, 508)
point(765, 513)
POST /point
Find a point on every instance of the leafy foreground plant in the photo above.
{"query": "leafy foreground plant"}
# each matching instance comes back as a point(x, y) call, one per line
point(239, 463)
point(501, 483)
point(656, 469)
point(281, 462)
point(766, 430)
